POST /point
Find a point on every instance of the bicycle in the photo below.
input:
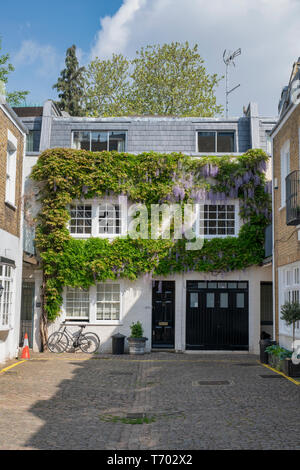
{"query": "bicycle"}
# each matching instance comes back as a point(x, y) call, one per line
point(59, 341)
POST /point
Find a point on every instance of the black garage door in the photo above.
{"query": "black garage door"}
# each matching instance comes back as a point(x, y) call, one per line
point(217, 315)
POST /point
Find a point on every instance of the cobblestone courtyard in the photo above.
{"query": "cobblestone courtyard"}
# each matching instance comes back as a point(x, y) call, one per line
point(73, 401)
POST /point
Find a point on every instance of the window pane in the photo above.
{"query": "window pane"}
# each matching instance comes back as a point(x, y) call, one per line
point(81, 219)
point(212, 285)
point(108, 301)
point(242, 285)
point(109, 218)
point(33, 141)
point(232, 285)
point(222, 285)
point(201, 285)
point(77, 303)
point(99, 141)
point(224, 300)
point(225, 141)
point(210, 300)
point(219, 219)
point(117, 141)
point(240, 300)
point(81, 140)
point(206, 142)
point(193, 300)
point(29, 142)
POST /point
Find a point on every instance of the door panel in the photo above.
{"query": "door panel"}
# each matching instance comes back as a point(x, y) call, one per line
point(220, 321)
point(163, 314)
point(27, 309)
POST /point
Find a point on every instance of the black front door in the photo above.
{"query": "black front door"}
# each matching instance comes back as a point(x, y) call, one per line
point(217, 315)
point(27, 310)
point(163, 314)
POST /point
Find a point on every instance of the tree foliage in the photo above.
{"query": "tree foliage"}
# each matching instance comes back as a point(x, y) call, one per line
point(290, 313)
point(107, 86)
point(168, 79)
point(70, 84)
point(14, 98)
point(172, 80)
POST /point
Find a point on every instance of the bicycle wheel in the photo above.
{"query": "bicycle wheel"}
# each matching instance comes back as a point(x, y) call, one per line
point(89, 343)
point(58, 342)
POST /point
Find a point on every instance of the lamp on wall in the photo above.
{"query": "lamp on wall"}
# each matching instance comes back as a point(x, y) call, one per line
point(1, 290)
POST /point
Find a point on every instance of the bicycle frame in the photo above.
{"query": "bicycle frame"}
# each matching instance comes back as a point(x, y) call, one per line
point(76, 341)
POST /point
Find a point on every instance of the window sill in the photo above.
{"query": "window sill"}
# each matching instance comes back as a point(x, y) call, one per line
point(10, 205)
point(5, 328)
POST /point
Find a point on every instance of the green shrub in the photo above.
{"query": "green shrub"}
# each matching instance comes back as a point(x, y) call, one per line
point(278, 351)
point(136, 330)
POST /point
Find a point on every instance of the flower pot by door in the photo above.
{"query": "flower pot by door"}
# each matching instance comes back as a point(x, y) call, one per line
point(137, 345)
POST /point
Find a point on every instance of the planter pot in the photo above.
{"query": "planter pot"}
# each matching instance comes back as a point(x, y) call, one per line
point(290, 369)
point(137, 345)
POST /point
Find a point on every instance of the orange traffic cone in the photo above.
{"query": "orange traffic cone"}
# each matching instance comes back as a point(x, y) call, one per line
point(25, 350)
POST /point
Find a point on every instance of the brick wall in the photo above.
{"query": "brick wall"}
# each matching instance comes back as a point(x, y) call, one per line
point(9, 216)
point(286, 245)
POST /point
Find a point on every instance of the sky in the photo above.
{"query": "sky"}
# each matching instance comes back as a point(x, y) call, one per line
point(36, 35)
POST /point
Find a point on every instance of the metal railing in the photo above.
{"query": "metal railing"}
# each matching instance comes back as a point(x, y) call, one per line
point(292, 182)
point(268, 241)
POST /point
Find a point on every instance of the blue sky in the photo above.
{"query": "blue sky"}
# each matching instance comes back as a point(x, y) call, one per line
point(36, 34)
point(53, 27)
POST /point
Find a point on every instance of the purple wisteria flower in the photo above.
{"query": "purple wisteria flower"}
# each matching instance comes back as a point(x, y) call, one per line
point(256, 180)
point(214, 170)
point(238, 181)
point(233, 193)
point(206, 170)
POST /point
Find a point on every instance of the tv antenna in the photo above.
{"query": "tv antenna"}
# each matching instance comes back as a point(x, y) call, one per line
point(228, 60)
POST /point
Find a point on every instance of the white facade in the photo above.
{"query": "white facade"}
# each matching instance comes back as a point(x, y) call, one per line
point(11, 248)
point(136, 304)
point(288, 290)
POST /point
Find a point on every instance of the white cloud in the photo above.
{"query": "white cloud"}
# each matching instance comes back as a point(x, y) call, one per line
point(44, 58)
point(115, 31)
point(266, 30)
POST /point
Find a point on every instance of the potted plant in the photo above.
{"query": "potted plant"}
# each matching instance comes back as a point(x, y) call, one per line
point(136, 340)
point(277, 356)
point(290, 313)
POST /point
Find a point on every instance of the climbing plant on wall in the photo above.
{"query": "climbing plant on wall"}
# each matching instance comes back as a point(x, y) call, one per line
point(65, 175)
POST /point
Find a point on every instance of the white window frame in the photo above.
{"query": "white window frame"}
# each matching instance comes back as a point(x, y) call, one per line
point(110, 321)
point(76, 318)
point(93, 307)
point(11, 169)
point(228, 202)
point(284, 170)
point(95, 204)
point(216, 131)
point(99, 130)
point(289, 290)
point(3, 300)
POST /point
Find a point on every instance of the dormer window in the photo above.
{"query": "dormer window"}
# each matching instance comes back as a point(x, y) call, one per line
point(97, 141)
point(215, 142)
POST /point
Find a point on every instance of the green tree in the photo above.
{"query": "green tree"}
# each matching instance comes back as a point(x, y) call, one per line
point(14, 98)
point(70, 85)
point(168, 79)
point(107, 86)
point(172, 80)
point(290, 313)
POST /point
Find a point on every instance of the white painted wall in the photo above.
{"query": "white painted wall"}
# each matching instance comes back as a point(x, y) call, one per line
point(11, 247)
point(137, 305)
point(286, 332)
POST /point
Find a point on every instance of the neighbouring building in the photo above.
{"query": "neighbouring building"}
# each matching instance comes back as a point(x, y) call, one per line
point(286, 206)
point(183, 311)
point(12, 151)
